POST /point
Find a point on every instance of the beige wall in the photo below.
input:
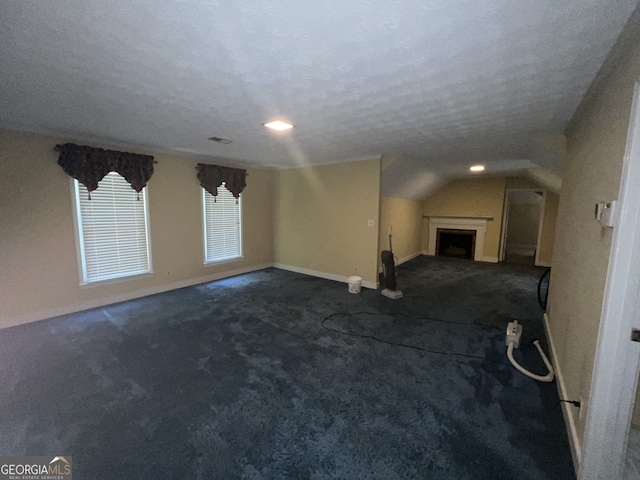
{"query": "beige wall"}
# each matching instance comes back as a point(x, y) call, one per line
point(470, 197)
point(322, 215)
point(38, 257)
point(522, 183)
point(405, 216)
point(595, 149)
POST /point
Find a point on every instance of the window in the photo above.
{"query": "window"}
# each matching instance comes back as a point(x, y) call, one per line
point(222, 226)
point(113, 230)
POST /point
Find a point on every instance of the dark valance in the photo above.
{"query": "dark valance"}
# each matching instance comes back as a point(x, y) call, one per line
point(88, 165)
point(212, 176)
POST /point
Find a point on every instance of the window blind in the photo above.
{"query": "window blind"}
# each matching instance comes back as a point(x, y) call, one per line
point(222, 226)
point(113, 230)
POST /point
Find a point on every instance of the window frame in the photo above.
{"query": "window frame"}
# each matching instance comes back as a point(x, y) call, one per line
point(80, 246)
point(222, 190)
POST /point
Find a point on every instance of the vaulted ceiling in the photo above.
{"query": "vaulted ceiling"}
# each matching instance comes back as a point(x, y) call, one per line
point(432, 86)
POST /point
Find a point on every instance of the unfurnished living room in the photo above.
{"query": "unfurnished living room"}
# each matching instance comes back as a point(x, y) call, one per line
point(355, 240)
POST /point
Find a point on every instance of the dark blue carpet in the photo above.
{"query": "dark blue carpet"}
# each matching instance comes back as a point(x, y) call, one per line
point(278, 375)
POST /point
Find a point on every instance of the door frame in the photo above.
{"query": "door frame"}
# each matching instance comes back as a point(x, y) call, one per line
point(505, 221)
point(617, 359)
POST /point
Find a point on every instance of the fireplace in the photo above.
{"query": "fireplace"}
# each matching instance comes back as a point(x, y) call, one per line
point(467, 226)
point(456, 243)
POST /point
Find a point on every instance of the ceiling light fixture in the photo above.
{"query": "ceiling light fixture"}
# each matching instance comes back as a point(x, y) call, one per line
point(477, 168)
point(278, 125)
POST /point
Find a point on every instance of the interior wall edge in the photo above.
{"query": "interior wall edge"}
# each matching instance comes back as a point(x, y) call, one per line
point(570, 424)
point(36, 316)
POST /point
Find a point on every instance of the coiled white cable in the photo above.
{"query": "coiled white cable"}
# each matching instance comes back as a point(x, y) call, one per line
point(547, 378)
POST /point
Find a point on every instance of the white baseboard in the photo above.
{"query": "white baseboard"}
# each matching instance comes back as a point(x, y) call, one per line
point(408, 257)
point(325, 275)
point(484, 259)
point(122, 297)
point(570, 424)
point(521, 249)
point(403, 260)
point(490, 259)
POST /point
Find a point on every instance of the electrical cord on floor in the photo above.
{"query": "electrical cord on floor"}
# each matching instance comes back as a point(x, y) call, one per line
point(543, 301)
point(575, 403)
point(440, 320)
point(414, 317)
point(403, 345)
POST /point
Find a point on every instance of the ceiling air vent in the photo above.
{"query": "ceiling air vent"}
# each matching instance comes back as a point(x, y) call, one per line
point(220, 140)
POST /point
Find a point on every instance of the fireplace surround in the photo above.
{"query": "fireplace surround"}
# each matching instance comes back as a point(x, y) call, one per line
point(459, 225)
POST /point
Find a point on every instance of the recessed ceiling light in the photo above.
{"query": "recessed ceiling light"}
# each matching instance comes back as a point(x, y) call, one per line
point(477, 168)
point(278, 125)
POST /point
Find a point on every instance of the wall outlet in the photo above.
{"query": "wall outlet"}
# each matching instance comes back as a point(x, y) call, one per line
point(355, 269)
point(168, 273)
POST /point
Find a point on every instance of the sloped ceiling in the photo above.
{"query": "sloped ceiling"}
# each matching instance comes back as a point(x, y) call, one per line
point(437, 84)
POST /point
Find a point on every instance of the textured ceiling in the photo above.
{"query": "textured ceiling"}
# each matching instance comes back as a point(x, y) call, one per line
point(438, 84)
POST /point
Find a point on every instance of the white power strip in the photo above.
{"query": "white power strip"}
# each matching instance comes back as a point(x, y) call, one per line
point(512, 340)
point(514, 333)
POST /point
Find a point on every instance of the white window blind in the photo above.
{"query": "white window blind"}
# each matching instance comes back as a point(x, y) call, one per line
point(222, 226)
point(113, 230)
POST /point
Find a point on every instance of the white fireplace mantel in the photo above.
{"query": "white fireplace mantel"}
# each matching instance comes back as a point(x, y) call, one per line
point(479, 224)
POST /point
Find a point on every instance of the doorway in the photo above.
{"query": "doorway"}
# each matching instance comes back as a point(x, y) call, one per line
point(521, 225)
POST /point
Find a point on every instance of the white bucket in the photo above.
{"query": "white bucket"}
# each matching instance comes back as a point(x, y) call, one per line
point(354, 284)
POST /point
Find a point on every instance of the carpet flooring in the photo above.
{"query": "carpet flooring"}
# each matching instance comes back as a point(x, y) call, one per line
point(275, 375)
